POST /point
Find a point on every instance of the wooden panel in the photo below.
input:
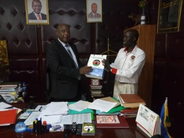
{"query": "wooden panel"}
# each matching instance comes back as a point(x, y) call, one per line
point(160, 51)
point(21, 38)
point(24, 64)
point(175, 80)
point(174, 92)
point(159, 85)
point(31, 77)
point(27, 70)
point(175, 43)
point(146, 42)
point(4, 73)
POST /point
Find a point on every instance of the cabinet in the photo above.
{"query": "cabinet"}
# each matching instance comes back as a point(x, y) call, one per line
point(146, 41)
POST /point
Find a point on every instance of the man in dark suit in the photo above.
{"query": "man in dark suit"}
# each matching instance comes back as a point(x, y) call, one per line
point(65, 67)
point(36, 14)
point(93, 13)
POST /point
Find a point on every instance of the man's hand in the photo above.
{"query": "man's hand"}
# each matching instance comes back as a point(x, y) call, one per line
point(106, 64)
point(85, 70)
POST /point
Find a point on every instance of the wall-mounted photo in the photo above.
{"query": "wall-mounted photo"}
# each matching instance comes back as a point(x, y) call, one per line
point(94, 11)
point(169, 15)
point(37, 12)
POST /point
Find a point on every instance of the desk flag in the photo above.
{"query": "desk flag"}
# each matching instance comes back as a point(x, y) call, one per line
point(165, 121)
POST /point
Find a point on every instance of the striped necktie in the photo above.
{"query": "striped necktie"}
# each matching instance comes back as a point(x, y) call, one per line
point(68, 49)
point(76, 65)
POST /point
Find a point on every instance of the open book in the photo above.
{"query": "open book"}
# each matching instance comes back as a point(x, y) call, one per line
point(95, 61)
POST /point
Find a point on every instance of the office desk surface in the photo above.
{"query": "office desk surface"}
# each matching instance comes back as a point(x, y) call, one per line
point(132, 132)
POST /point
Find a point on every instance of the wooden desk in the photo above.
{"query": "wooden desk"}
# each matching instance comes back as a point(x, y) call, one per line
point(132, 132)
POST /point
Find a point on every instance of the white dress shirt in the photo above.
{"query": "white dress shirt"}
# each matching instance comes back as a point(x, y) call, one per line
point(129, 65)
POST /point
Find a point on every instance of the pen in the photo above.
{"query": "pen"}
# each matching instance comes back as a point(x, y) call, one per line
point(40, 108)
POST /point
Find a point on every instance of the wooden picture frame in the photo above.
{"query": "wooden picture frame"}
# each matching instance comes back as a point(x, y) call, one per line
point(94, 6)
point(169, 16)
point(32, 7)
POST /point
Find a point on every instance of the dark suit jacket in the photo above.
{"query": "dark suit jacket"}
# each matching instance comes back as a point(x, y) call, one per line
point(90, 15)
point(63, 72)
point(32, 16)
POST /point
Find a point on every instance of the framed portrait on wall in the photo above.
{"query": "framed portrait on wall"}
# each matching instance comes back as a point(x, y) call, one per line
point(169, 16)
point(94, 11)
point(37, 12)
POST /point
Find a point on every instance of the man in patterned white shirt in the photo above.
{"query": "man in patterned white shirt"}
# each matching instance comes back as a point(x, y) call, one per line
point(128, 65)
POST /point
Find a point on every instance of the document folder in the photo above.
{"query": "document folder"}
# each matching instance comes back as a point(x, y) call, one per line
point(8, 117)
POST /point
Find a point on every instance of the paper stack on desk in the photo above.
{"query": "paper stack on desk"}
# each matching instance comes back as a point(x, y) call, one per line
point(57, 112)
point(56, 108)
point(51, 113)
point(102, 105)
point(8, 92)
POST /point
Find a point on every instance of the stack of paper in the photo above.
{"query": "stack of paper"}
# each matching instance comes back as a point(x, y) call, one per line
point(56, 108)
point(79, 106)
point(52, 113)
point(102, 105)
point(4, 105)
point(114, 111)
point(110, 99)
point(8, 92)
